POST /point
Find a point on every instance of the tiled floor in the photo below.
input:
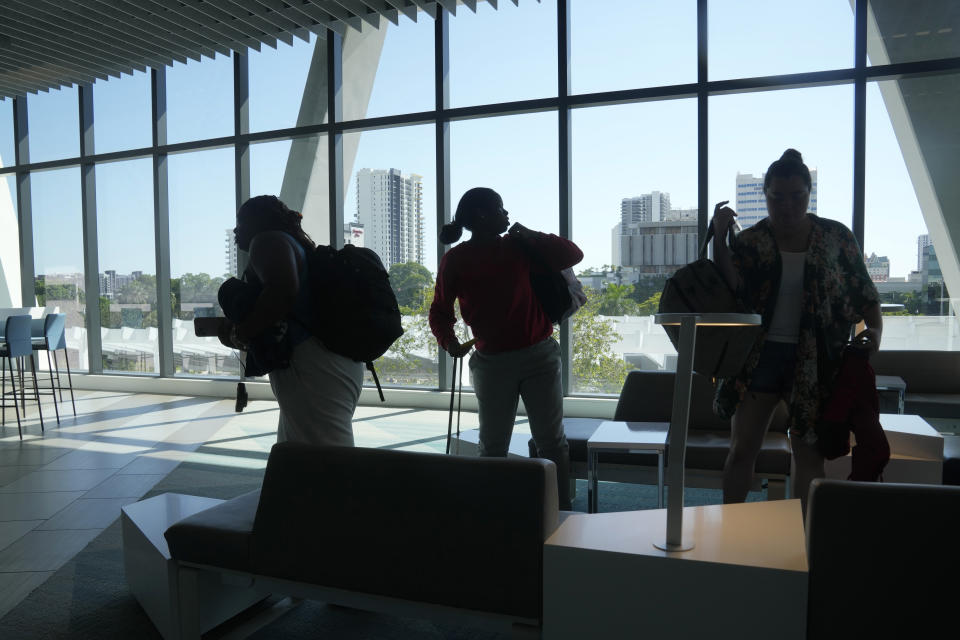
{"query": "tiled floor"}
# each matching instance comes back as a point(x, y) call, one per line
point(58, 491)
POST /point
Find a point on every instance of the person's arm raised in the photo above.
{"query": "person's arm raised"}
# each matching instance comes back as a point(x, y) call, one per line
point(723, 219)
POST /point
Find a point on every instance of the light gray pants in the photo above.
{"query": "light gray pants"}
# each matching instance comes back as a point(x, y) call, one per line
point(533, 373)
point(317, 394)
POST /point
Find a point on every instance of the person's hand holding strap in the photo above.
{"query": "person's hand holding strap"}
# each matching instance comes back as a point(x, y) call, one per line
point(723, 218)
point(521, 231)
point(457, 350)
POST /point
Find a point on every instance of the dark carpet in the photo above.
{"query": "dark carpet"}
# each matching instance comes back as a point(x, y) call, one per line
point(88, 597)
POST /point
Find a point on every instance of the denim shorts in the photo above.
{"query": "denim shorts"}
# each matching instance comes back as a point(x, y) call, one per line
point(775, 370)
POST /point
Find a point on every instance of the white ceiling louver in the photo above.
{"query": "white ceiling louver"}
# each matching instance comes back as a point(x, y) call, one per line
point(48, 44)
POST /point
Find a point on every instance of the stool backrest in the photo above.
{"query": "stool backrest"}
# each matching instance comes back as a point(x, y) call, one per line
point(54, 330)
point(17, 336)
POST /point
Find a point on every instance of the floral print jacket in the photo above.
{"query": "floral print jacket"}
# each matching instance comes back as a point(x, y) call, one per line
point(837, 290)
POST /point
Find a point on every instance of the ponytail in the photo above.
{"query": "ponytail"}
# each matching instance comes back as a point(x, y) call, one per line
point(451, 232)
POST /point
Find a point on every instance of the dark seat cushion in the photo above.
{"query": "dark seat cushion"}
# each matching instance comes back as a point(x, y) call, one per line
point(922, 371)
point(219, 536)
point(932, 405)
point(951, 460)
point(871, 549)
point(448, 530)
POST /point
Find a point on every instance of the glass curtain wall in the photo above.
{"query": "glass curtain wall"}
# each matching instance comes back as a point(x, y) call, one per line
point(658, 134)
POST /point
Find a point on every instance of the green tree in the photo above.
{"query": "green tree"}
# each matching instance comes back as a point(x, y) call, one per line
point(140, 290)
point(595, 366)
point(199, 287)
point(105, 316)
point(410, 282)
point(649, 306)
point(616, 300)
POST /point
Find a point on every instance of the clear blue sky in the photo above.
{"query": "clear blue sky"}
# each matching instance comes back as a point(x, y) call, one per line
point(507, 54)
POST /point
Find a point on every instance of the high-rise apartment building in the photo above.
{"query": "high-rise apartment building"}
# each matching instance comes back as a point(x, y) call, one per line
point(922, 243)
point(650, 207)
point(231, 253)
point(752, 203)
point(390, 208)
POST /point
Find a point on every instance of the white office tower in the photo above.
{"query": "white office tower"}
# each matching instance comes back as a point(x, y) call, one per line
point(390, 209)
point(751, 205)
point(650, 207)
point(231, 251)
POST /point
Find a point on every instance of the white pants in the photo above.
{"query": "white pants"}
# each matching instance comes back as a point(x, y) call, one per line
point(317, 394)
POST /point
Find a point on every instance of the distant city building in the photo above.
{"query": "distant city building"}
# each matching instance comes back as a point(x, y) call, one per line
point(112, 282)
point(752, 202)
point(231, 251)
point(651, 238)
point(390, 210)
point(878, 267)
point(650, 207)
point(922, 243)
point(655, 248)
point(931, 273)
point(353, 234)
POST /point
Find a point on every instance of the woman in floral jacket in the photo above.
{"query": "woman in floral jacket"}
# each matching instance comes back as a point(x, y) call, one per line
point(807, 279)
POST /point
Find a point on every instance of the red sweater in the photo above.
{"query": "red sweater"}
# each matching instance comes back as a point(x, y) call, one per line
point(492, 282)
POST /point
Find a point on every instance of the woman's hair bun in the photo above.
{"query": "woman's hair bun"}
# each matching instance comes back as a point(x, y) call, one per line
point(792, 155)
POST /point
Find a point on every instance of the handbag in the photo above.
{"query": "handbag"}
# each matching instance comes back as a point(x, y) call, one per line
point(699, 287)
point(559, 293)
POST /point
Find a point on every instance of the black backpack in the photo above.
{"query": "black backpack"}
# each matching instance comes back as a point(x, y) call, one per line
point(355, 312)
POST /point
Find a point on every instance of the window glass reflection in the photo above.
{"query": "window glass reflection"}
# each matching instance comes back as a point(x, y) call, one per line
point(389, 70)
point(910, 190)
point(122, 111)
point(54, 124)
point(648, 44)
point(636, 222)
point(749, 131)
point(758, 38)
point(390, 207)
point(200, 99)
point(202, 217)
point(503, 54)
point(128, 281)
point(279, 82)
point(58, 255)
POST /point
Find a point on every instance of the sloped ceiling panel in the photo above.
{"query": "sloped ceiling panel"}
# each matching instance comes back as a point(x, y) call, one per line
point(48, 44)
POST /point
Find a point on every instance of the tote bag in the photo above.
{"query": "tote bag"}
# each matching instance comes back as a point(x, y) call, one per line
point(699, 287)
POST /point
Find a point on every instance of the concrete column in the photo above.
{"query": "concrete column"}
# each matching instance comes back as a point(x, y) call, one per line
point(305, 187)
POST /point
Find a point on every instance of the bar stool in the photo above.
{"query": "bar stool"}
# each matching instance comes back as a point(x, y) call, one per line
point(17, 345)
point(50, 334)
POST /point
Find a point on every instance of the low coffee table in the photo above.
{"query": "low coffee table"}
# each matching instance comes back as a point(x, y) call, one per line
point(625, 437)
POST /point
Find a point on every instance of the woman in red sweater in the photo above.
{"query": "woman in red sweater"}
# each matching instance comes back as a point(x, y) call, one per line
point(516, 357)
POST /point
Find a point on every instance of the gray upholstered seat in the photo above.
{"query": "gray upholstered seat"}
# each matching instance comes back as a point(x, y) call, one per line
point(459, 532)
point(882, 559)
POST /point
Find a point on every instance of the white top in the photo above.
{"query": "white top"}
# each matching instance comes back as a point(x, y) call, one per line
point(785, 326)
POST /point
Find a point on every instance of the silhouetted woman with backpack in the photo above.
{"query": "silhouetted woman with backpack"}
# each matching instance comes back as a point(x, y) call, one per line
point(516, 357)
point(319, 390)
